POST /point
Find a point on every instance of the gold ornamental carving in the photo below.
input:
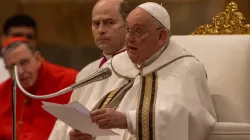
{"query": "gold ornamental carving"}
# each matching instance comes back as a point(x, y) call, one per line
point(228, 22)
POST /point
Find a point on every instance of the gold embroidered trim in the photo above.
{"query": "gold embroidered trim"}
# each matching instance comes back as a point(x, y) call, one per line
point(114, 98)
point(146, 108)
point(109, 97)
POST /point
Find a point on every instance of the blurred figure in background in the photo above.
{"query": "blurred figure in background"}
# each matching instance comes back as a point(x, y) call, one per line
point(20, 25)
point(36, 75)
point(108, 20)
point(17, 25)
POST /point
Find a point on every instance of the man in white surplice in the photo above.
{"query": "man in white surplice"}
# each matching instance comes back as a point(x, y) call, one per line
point(157, 90)
point(108, 16)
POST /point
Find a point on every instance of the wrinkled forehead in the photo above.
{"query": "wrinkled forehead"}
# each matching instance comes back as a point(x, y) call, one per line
point(17, 53)
point(140, 18)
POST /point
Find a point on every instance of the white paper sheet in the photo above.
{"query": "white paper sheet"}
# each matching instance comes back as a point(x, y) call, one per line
point(76, 116)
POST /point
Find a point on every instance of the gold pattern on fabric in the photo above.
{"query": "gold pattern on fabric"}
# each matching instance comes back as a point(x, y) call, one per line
point(146, 108)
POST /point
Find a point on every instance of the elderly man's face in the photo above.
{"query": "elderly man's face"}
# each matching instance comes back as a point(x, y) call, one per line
point(106, 26)
point(142, 38)
point(28, 64)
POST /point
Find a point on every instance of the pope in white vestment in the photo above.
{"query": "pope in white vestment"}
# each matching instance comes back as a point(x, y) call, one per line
point(173, 95)
point(164, 98)
point(110, 48)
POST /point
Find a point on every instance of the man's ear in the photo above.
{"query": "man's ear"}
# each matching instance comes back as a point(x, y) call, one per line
point(162, 35)
point(37, 54)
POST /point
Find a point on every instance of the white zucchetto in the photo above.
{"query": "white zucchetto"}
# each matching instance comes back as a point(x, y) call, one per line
point(158, 12)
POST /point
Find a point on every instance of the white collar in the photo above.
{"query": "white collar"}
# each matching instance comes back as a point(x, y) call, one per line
point(111, 55)
point(123, 66)
point(152, 58)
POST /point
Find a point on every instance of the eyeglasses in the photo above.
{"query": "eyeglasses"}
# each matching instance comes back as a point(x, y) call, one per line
point(28, 36)
point(137, 32)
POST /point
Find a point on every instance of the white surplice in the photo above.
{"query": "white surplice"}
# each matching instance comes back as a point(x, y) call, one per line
point(59, 130)
point(182, 109)
point(4, 75)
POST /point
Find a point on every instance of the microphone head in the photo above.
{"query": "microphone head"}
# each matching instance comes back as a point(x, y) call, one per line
point(100, 74)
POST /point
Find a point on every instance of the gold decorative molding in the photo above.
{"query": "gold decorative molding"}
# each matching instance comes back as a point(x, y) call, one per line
point(228, 22)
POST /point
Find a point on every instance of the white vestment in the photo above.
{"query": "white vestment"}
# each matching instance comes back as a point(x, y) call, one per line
point(86, 71)
point(59, 130)
point(169, 99)
point(4, 75)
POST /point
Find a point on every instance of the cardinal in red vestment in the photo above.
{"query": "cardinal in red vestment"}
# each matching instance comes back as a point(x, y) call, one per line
point(38, 77)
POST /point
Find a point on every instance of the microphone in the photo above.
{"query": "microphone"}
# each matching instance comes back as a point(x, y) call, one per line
point(13, 108)
point(101, 74)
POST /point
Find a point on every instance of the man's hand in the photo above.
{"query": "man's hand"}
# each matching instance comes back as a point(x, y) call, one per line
point(108, 118)
point(77, 135)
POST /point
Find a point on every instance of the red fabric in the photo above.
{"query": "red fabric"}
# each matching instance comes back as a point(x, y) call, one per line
point(104, 59)
point(37, 123)
point(12, 40)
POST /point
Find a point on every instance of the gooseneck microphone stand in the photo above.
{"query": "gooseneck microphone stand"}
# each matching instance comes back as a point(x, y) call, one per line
point(101, 74)
point(13, 102)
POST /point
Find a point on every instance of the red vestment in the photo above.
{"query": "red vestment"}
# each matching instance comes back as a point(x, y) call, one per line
point(34, 123)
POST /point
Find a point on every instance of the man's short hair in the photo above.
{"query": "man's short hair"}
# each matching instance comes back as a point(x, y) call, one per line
point(125, 9)
point(18, 20)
